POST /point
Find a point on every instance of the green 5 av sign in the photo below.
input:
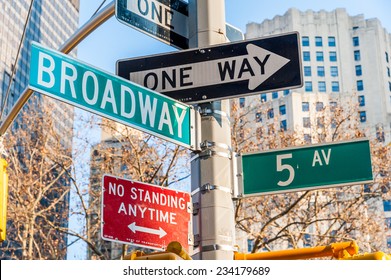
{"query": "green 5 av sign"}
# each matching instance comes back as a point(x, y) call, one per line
point(64, 78)
point(305, 168)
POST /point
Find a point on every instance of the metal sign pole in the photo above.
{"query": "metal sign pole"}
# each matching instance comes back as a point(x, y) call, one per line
point(211, 183)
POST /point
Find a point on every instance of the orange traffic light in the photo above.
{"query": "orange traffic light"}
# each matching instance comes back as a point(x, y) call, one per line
point(138, 255)
point(174, 251)
point(3, 198)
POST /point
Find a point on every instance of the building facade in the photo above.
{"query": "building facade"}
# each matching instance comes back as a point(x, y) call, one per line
point(346, 63)
point(342, 55)
point(50, 23)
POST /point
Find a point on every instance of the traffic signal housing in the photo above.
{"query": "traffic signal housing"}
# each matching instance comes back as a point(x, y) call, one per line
point(3, 198)
point(174, 251)
point(138, 255)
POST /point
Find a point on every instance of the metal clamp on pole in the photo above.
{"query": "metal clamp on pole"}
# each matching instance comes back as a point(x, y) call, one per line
point(209, 144)
point(210, 153)
point(208, 187)
point(206, 111)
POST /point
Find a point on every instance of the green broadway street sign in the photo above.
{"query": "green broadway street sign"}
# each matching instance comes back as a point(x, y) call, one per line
point(305, 168)
point(64, 78)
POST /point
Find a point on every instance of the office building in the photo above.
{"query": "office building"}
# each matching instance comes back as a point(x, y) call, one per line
point(50, 23)
point(346, 62)
point(342, 55)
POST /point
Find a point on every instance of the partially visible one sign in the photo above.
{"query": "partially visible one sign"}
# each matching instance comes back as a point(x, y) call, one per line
point(74, 82)
point(144, 215)
point(220, 71)
point(305, 168)
point(165, 20)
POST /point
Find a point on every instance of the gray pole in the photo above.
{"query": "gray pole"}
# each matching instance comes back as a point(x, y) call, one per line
point(211, 170)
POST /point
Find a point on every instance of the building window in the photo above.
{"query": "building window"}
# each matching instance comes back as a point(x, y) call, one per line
point(242, 102)
point(322, 86)
point(388, 72)
point(319, 56)
point(258, 117)
point(306, 122)
point(286, 92)
point(319, 106)
point(283, 125)
point(333, 123)
point(320, 122)
point(307, 138)
point(367, 188)
point(307, 71)
point(331, 41)
point(333, 56)
point(357, 56)
point(358, 70)
point(388, 224)
point(306, 56)
point(263, 97)
point(308, 86)
point(305, 106)
point(360, 85)
point(334, 71)
point(275, 94)
point(282, 109)
point(335, 86)
point(389, 242)
point(321, 71)
point(387, 57)
point(356, 42)
point(361, 100)
point(387, 205)
point(250, 245)
point(270, 113)
point(318, 41)
point(363, 116)
point(389, 86)
point(381, 138)
point(307, 240)
point(333, 106)
point(305, 41)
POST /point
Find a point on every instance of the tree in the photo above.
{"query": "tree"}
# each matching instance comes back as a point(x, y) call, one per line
point(318, 217)
point(39, 169)
point(42, 173)
point(128, 153)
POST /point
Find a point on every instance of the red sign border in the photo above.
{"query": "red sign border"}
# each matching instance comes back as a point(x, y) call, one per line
point(150, 185)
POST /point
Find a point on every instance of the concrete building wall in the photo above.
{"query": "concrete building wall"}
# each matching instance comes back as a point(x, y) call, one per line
point(357, 63)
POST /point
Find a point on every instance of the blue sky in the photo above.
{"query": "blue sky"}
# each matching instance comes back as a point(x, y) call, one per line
point(114, 40)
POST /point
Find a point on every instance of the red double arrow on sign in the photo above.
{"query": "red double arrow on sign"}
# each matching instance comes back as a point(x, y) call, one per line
point(144, 215)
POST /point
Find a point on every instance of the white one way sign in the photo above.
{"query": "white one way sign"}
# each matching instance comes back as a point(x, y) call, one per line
point(219, 72)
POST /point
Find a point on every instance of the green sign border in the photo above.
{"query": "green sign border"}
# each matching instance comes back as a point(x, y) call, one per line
point(189, 122)
point(256, 189)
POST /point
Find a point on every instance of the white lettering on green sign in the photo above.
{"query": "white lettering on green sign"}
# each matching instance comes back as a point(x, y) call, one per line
point(60, 77)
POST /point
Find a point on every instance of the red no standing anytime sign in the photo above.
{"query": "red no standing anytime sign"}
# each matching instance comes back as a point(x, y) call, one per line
point(144, 215)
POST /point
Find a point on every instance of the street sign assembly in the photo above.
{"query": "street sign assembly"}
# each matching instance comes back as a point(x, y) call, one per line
point(221, 71)
point(165, 20)
point(77, 83)
point(144, 215)
point(305, 168)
